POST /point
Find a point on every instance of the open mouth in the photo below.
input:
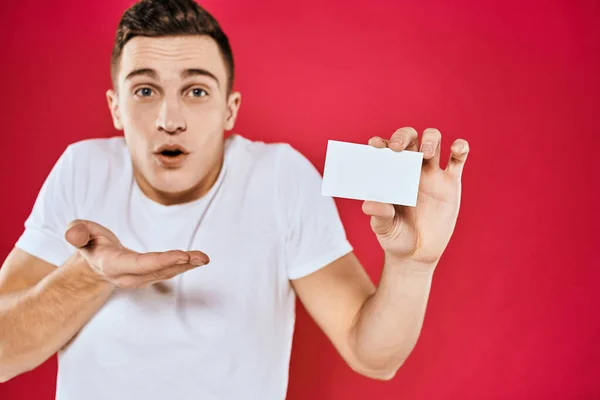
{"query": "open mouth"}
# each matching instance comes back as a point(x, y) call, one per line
point(171, 156)
point(171, 153)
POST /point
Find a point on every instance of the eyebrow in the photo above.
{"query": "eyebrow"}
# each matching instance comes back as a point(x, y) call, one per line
point(185, 74)
point(142, 71)
point(198, 71)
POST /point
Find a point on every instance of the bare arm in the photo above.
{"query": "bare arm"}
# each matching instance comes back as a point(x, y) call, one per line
point(373, 329)
point(388, 325)
point(36, 321)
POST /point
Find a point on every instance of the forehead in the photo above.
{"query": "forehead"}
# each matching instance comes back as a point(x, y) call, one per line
point(172, 54)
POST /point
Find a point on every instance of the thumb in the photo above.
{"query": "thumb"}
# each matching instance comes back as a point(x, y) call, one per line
point(382, 216)
point(78, 233)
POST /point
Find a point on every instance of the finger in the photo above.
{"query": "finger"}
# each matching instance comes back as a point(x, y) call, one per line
point(99, 230)
point(169, 272)
point(78, 233)
point(198, 258)
point(130, 262)
point(430, 147)
point(118, 262)
point(459, 152)
point(144, 280)
point(382, 216)
point(404, 139)
point(378, 142)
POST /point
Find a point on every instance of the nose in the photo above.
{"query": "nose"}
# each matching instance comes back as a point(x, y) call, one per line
point(170, 118)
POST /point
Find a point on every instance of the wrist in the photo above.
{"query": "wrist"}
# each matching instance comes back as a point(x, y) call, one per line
point(82, 269)
point(411, 264)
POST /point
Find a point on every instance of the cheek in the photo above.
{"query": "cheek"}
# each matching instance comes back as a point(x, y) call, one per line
point(138, 116)
point(137, 122)
point(208, 116)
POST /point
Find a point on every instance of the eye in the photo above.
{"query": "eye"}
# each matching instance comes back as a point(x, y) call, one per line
point(198, 92)
point(144, 92)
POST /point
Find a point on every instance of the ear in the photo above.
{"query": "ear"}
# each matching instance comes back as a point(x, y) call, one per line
point(233, 106)
point(113, 106)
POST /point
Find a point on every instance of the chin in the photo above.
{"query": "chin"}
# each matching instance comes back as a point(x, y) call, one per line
point(176, 184)
point(172, 185)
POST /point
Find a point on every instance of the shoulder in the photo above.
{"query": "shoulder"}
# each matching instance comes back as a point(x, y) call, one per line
point(98, 158)
point(251, 150)
point(80, 158)
point(105, 150)
point(290, 175)
point(94, 168)
point(280, 158)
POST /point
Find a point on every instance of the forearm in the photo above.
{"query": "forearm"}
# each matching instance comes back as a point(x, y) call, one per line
point(389, 323)
point(37, 322)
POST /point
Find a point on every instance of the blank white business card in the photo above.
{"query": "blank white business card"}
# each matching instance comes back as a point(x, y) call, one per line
point(363, 172)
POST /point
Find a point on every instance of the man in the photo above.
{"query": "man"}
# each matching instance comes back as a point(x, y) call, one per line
point(166, 263)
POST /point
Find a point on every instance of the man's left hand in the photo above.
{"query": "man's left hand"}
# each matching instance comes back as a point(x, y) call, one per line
point(420, 234)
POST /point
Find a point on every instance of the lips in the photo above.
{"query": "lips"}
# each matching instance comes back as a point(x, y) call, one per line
point(171, 155)
point(171, 150)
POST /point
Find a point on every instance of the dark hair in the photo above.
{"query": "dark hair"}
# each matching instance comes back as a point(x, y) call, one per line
point(156, 18)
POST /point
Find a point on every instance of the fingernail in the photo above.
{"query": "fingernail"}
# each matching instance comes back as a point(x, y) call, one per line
point(181, 262)
point(459, 147)
point(197, 261)
point(427, 148)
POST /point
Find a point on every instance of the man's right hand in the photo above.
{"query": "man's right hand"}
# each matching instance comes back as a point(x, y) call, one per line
point(114, 263)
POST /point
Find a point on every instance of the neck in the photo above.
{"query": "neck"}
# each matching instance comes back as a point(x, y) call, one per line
point(194, 193)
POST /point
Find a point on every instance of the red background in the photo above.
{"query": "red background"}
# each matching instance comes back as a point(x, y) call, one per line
point(513, 312)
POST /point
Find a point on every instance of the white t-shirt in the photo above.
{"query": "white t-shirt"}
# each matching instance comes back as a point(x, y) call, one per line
point(221, 331)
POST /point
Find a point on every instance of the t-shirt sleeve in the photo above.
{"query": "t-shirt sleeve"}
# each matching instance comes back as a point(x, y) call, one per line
point(43, 236)
point(314, 234)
